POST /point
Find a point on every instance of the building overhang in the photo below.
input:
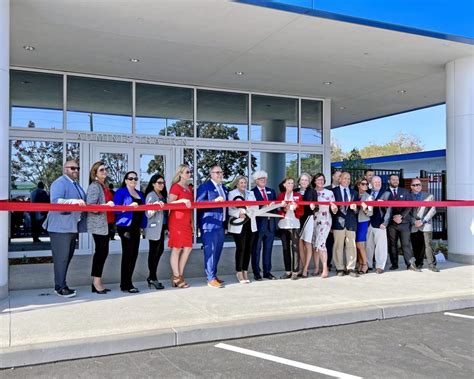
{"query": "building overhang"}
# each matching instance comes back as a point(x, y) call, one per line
point(367, 72)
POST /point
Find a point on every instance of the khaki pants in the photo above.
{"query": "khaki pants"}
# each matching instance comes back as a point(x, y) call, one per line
point(377, 245)
point(344, 242)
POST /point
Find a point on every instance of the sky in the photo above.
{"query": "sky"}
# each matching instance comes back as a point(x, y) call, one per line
point(429, 124)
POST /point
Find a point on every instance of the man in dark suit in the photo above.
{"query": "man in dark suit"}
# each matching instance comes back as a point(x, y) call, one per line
point(266, 229)
point(344, 226)
point(399, 226)
point(211, 222)
point(38, 195)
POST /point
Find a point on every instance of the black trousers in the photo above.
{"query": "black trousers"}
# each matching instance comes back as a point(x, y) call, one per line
point(394, 232)
point(130, 238)
point(290, 244)
point(329, 247)
point(100, 254)
point(155, 251)
point(243, 247)
point(421, 243)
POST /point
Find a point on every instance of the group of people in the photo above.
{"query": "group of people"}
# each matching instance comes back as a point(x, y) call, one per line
point(352, 237)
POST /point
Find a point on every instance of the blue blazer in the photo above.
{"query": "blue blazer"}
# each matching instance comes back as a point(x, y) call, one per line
point(265, 224)
point(123, 197)
point(66, 222)
point(345, 217)
point(210, 218)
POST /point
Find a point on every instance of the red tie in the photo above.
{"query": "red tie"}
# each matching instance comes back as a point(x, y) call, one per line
point(264, 194)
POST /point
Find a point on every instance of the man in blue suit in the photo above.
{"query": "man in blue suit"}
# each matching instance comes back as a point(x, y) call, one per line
point(211, 222)
point(63, 227)
point(344, 226)
point(266, 229)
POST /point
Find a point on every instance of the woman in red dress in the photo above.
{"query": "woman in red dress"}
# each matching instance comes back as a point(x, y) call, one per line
point(180, 225)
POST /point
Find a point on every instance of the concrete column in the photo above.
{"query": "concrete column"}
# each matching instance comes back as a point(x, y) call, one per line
point(4, 123)
point(273, 163)
point(460, 156)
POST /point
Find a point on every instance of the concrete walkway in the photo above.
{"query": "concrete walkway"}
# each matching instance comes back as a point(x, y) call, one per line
point(36, 326)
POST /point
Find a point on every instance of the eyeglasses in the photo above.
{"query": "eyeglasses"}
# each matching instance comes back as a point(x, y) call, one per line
point(133, 178)
point(102, 169)
point(217, 172)
point(416, 185)
point(364, 184)
point(186, 172)
point(160, 182)
point(73, 168)
point(261, 178)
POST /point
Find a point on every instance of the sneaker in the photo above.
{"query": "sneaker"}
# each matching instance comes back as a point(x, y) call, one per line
point(65, 292)
point(214, 283)
point(413, 267)
point(433, 268)
point(353, 274)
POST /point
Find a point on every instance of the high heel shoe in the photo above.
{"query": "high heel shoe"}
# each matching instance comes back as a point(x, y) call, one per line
point(155, 283)
point(364, 268)
point(178, 281)
point(95, 290)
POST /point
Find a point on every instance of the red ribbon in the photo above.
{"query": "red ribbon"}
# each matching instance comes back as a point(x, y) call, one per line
point(22, 206)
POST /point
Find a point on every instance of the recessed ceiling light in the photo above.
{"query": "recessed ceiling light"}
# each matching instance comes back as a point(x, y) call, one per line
point(402, 91)
point(366, 53)
point(134, 60)
point(342, 108)
point(327, 83)
point(239, 73)
point(28, 47)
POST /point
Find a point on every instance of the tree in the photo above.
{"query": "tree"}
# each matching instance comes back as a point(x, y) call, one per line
point(117, 165)
point(336, 151)
point(401, 144)
point(34, 161)
point(353, 161)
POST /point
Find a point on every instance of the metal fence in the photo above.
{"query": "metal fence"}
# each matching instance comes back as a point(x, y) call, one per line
point(437, 187)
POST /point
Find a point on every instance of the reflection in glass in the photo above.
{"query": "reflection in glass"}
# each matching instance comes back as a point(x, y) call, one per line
point(274, 119)
point(163, 110)
point(222, 115)
point(233, 163)
point(99, 105)
point(311, 121)
point(277, 165)
point(31, 162)
point(117, 166)
point(149, 166)
point(36, 100)
point(73, 151)
point(311, 163)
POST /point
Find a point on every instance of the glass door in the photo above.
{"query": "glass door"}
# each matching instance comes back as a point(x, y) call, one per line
point(153, 161)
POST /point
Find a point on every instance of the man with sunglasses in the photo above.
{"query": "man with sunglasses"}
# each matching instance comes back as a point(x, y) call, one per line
point(63, 227)
point(422, 228)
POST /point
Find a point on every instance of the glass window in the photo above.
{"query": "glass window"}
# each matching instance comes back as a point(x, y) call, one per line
point(150, 164)
point(311, 163)
point(167, 111)
point(311, 121)
point(73, 151)
point(222, 115)
point(99, 105)
point(277, 165)
point(32, 162)
point(36, 100)
point(232, 162)
point(274, 119)
point(117, 166)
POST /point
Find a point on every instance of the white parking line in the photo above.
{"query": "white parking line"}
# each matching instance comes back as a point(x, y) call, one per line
point(287, 362)
point(459, 315)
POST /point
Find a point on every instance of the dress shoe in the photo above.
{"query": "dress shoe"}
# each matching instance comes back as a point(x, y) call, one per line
point(257, 277)
point(269, 276)
point(95, 290)
point(340, 273)
point(285, 276)
point(220, 280)
point(353, 274)
point(379, 271)
point(294, 276)
point(132, 290)
point(65, 292)
point(433, 268)
point(413, 267)
point(215, 284)
point(392, 267)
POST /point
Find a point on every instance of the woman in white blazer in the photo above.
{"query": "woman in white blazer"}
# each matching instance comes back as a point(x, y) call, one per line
point(241, 227)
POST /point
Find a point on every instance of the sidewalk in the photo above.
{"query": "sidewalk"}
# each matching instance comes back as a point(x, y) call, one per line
point(36, 326)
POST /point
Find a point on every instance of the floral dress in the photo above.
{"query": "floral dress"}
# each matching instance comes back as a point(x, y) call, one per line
point(323, 220)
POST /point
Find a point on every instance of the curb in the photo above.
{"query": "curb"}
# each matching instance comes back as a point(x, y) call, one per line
point(171, 337)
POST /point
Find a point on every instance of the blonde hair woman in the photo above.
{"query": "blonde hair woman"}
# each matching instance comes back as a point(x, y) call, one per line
point(180, 225)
